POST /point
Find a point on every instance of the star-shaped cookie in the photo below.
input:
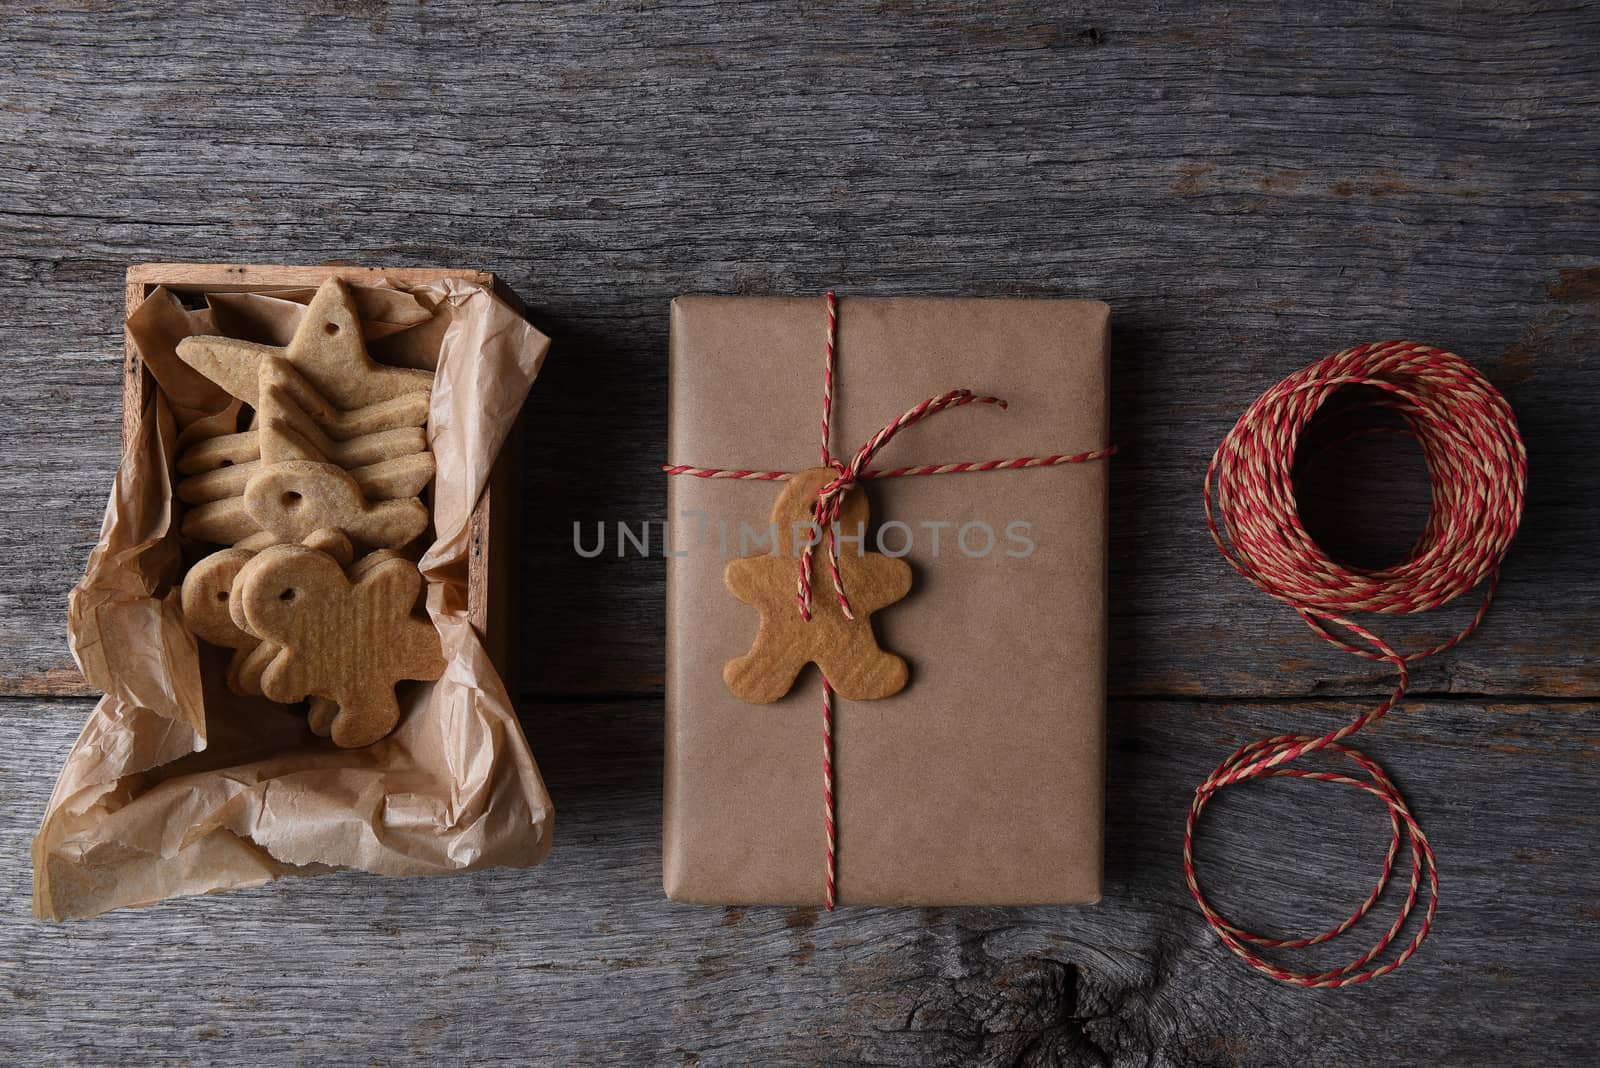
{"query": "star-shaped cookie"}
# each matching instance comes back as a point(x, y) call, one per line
point(326, 349)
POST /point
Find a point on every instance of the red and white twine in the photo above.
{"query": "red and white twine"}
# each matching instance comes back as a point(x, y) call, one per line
point(1478, 468)
point(825, 513)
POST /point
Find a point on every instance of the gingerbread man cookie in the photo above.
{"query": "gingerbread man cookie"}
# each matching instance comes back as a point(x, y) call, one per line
point(346, 640)
point(208, 606)
point(845, 650)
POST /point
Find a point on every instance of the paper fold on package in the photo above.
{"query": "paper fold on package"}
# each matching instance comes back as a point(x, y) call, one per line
point(177, 786)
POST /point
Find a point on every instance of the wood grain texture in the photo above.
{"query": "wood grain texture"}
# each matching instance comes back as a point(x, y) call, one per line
point(582, 961)
point(1249, 185)
point(1248, 190)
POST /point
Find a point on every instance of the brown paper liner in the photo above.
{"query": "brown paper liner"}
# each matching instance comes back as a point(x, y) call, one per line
point(177, 787)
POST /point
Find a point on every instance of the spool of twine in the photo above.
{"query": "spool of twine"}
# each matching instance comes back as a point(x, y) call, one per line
point(1477, 466)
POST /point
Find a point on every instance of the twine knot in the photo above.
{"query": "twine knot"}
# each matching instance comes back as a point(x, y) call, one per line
point(830, 498)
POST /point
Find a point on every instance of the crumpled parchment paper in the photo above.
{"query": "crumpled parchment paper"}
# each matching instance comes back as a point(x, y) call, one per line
point(177, 786)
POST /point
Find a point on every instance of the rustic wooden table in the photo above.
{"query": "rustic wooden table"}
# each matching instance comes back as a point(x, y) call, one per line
point(1249, 187)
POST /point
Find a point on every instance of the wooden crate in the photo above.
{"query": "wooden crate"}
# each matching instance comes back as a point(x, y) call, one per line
point(492, 533)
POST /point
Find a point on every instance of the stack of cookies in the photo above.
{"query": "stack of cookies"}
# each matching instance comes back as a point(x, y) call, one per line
point(313, 505)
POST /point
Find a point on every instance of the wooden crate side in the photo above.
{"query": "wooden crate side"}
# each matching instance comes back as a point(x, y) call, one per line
point(236, 277)
point(137, 383)
point(492, 576)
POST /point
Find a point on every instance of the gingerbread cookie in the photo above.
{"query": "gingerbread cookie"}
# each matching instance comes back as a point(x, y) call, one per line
point(387, 480)
point(326, 349)
point(320, 403)
point(321, 712)
point(348, 641)
point(223, 522)
point(223, 450)
point(845, 650)
point(296, 497)
point(245, 673)
point(382, 431)
point(208, 607)
point(291, 500)
point(289, 410)
point(334, 457)
point(206, 594)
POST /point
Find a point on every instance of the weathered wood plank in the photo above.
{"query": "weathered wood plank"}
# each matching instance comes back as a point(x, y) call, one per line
point(1249, 185)
point(581, 960)
point(1249, 188)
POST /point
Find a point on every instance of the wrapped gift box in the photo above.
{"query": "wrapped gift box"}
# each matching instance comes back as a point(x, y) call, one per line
point(981, 782)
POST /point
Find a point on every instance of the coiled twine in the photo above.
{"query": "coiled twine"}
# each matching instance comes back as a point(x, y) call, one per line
point(1478, 467)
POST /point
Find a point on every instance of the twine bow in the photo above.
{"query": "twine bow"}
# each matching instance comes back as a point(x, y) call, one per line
point(830, 498)
point(825, 515)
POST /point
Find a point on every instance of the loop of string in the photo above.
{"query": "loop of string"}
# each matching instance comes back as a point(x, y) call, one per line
point(830, 498)
point(825, 514)
point(1477, 465)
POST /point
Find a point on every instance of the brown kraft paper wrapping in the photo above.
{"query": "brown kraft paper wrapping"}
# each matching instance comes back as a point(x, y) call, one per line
point(176, 786)
point(981, 781)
